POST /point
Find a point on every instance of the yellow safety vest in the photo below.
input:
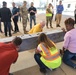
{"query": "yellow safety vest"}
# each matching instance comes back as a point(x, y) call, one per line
point(48, 14)
point(50, 57)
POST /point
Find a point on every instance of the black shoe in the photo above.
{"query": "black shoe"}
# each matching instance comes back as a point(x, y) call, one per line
point(74, 67)
point(17, 31)
point(10, 35)
point(14, 32)
point(51, 27)
point(42, 70)
point(57, 25)
point(1, 31)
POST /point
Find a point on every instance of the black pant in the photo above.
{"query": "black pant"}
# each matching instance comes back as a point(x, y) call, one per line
point(16, 29)
point(0, 25)
point(7, 27)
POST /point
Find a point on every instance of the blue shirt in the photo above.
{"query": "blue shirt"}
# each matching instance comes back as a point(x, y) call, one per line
point(14, 11)
point(60, 8)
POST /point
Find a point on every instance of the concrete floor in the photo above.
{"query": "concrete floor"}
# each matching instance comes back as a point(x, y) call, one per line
point(26, 64)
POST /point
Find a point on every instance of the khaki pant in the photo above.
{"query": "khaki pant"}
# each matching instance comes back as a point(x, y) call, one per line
point(58, 18)
point(48, 20)
point(24, 21)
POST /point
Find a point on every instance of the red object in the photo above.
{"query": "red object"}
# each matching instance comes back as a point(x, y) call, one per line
point(8, 55)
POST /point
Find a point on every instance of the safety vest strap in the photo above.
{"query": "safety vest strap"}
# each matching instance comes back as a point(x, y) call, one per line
point(52, 57)
point(48, 56)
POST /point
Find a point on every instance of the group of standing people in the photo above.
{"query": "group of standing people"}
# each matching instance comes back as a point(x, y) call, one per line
point(6, 15)
point(23, 12)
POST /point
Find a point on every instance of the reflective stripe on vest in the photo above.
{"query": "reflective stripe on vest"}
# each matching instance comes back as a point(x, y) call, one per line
point(48, 55)
point(48, 14)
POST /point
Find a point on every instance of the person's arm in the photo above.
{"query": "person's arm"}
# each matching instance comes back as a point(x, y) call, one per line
point(66, 41)
point(62, 8)
point(38, 50)
point(48, 10)
point(35, 11)
point(35, 30)
point(15, 58)
point(21, 10)
point(10, 14)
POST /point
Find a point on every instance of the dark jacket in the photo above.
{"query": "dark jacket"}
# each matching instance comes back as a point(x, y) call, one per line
point(5, 14)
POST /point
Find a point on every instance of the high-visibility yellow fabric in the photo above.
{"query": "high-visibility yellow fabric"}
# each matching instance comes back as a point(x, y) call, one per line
point(51, 63)
point(47, 13)
point(35, 29)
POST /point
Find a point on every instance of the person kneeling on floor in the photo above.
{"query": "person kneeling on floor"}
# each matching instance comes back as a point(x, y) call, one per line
point(69, 46)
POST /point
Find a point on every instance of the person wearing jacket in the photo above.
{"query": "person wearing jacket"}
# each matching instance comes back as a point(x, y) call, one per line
point(5, 15)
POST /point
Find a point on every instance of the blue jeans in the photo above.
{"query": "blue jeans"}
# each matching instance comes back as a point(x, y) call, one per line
point(40, 63)
point(7, 28)
point(68, 57)
point(33, 17)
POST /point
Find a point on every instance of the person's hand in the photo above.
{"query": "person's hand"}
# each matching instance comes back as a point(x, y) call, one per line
point(31, 11)
point(61, 51)
point(12, 17)
point(63, 29)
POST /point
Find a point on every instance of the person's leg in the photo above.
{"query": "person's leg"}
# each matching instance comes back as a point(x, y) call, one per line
point(24, 21)
point(5, 28)
point(34, 19)
point(14, 25)
point(16, 22)
point(67, 58)
point(30, 22)
point(9, 28)
point(39, 62)
point(60, 16)
point(16, 29)
point(52, 16)
point(57, 20)
point(74, 58)
point(47, 19)
point(50, 20)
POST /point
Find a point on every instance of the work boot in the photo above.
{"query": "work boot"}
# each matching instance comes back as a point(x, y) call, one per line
point(47, 27)
point(57, 25)
point(51, 27)
point(42, 70)
point(25, 32)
